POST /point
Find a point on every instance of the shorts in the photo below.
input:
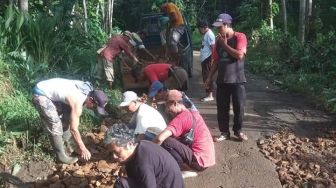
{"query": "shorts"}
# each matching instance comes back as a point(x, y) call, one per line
point(104, 66)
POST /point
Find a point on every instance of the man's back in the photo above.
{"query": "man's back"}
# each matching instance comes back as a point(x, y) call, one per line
point(153, 166)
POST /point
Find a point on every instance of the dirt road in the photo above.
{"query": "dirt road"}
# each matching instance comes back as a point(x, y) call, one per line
point(267, 110)
point(239, 165)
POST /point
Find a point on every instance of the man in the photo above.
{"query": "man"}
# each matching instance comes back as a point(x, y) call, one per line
point(208, 44)
point(144, 116)
point(60, 104)
point(136, 41)
point(201, 153)
point(229, 57)
point(159, 92)
point(173, 77)
point(175, 29)
point(108, 54)
point(147, 164)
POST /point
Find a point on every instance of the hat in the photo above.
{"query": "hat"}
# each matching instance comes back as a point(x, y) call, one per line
point(128, 34)
point(222, 18)
point(174, 95)
point(178, 79)
point(202, 23)
point(155, 88)
point(128, 97)
point(100, 99)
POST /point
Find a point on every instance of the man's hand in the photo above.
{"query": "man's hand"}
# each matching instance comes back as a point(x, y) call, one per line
point(85, 154)
point(221, 39)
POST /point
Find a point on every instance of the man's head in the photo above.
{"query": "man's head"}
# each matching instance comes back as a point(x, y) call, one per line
point(97, 99)
point(223, 23)
point(202, 26)
point(120, 141)
point(130, 101)
point(174, 102)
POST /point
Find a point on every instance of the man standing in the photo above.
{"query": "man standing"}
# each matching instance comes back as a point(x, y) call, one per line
point(109, 52)
point(60, 104)
point(229, 57)
point(208, 45)
point(147, 164)
point(175, 29)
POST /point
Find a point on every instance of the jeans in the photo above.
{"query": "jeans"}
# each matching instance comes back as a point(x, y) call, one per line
point(226, 92)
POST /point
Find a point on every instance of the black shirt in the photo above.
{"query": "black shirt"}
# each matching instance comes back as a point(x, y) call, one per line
point(153, 167)
point(230, 69)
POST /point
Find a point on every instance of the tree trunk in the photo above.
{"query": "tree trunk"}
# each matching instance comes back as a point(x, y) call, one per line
point(284, 16)
point(85, 16)
point(302, 21)
point(23, 5)
point(111, 16)
point(270, 16)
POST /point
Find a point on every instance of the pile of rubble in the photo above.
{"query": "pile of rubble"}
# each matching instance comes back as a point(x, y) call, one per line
point(303, 162)
point(100, 171)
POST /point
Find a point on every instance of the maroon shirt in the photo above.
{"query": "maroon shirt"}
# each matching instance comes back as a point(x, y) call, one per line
point(114, 46)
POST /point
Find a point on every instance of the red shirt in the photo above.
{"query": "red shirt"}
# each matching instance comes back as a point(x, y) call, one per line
point(114, 46)
point(203, 147)
point(241, 45)
point(157, 72)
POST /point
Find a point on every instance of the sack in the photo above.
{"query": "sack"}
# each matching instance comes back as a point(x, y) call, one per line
point(188, 138)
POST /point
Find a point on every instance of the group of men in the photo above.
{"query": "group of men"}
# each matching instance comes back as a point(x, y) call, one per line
point(157, 152)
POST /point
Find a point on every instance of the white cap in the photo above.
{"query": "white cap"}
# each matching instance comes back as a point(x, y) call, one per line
point(128, 97)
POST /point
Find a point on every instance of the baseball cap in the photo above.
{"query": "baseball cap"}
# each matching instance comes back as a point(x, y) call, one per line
point(155, 88)
point(174, 95)
point(128, 97)
point(222, 18)
point(101, 100)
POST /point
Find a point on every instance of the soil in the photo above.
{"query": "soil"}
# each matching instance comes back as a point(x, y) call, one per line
point(291, 144)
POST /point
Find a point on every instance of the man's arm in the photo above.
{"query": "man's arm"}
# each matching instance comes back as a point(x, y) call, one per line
point(236, 53)
point(162, 136)
point(126, 49)
point(76, 112)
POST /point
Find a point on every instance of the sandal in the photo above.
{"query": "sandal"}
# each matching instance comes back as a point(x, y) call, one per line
point(241, 136)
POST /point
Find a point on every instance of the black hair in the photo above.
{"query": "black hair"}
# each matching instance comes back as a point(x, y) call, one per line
point(203, 23)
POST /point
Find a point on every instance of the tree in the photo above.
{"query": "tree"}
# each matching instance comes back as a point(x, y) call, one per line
point(24, 5)
point(302, 21)
point(284, 16)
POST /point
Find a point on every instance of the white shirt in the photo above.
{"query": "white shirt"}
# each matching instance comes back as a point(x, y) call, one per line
point(56, 89)
point(207, 40)
point(147, 117)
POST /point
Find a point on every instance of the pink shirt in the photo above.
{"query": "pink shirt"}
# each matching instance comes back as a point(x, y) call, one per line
point(203, 146)
point(114, 46)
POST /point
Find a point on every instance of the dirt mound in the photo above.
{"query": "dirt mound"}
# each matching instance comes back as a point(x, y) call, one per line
point(303, 162)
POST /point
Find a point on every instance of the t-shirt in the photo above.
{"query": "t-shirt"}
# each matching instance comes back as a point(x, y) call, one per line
point(146, 117)
point(203, 147)
point(230, 69)
point(153, 167)
point(157, 72)
point(172, 8)
point(114, 46)
point(208, 39)
point(57, 89)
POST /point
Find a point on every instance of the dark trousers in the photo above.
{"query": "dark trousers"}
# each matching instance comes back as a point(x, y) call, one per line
point(181, 153)
point(226, 92)
point(206, 67)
